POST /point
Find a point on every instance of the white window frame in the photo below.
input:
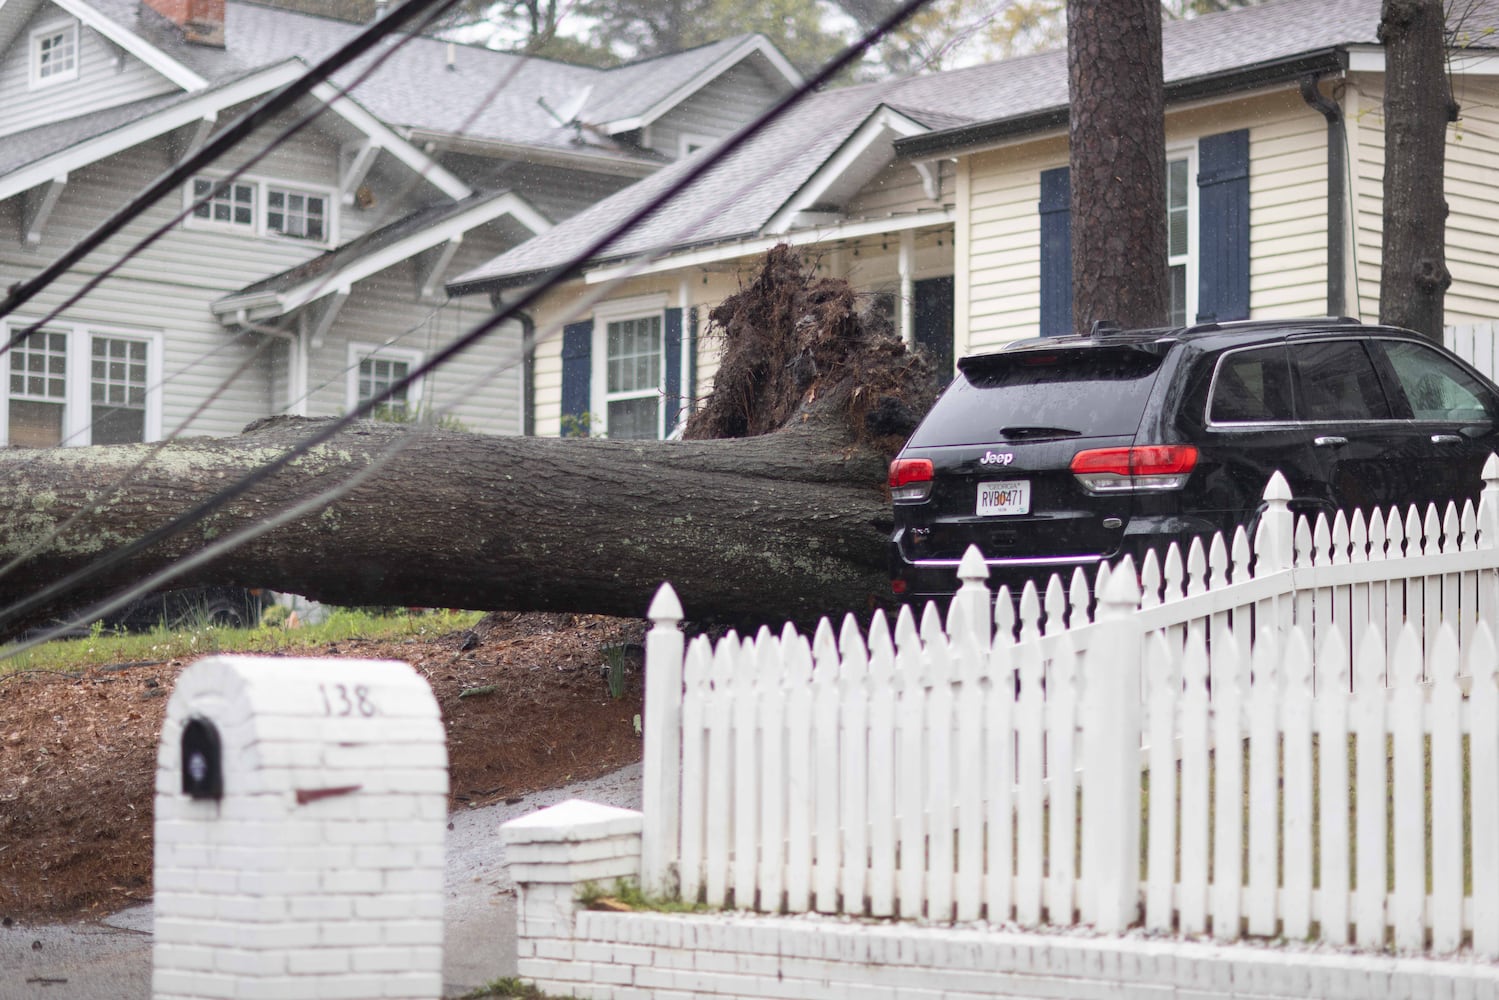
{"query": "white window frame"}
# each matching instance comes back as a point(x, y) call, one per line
point(359, 352)
point(1188, 151)
point(258, 225)
point(618, 310)
point(69, 28)
point(78, 404)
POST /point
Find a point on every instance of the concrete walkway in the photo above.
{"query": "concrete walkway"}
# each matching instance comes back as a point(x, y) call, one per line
point(110, 959)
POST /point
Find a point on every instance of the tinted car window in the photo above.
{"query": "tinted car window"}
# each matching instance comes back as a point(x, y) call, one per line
point(1252, 387)
point(1089, 392)
point(1436, 388)
point(1338, 382)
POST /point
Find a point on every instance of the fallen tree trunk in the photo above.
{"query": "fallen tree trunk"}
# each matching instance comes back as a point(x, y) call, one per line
point(788, 525)
point(774, 510)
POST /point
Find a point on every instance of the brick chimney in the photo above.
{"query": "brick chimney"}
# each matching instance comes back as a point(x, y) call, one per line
point(201, 21)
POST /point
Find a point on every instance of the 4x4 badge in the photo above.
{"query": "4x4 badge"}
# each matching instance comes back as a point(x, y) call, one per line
point(997, 458)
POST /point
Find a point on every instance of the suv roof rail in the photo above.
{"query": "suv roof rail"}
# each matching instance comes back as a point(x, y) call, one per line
point(1217, 326)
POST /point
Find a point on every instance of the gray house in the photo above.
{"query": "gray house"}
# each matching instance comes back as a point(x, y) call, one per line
point(317, 277)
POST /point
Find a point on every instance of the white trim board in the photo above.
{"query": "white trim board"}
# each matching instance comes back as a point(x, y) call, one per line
point(267, 305)
point(760, 244)
point(150, 127)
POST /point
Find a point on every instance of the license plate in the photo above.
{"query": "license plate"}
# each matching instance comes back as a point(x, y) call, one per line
point(1012, 497)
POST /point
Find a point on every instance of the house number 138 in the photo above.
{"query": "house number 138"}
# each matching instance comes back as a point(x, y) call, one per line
point(342, 700)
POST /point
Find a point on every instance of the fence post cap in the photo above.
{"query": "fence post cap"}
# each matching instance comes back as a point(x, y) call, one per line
point(972, 566)
point(1491, 467)
point(1123, 589)
point(1277, 488)
point(575, 820)
point(665, 607)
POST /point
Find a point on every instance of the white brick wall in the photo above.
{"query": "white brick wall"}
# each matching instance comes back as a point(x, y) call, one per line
point(276, 891)
point(656, 956)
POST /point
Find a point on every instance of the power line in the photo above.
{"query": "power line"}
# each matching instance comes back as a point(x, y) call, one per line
point(220, 144)
point(527, 298)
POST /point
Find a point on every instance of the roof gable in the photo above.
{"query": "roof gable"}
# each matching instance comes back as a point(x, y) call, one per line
point(822, 148)
point(636, 94)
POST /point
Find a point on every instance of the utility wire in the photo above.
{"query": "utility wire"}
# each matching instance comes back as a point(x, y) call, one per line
point(139, 205)
point(529, 297)
point(220, 144)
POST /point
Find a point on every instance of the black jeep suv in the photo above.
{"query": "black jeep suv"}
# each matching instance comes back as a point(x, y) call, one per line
point(1071, 451)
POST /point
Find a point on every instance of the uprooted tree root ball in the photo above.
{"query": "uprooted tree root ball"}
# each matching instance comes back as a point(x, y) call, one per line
point(797, 348)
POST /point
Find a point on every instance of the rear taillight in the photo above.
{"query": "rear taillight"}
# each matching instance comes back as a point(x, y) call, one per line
point(910, 480)
point(1145, 467)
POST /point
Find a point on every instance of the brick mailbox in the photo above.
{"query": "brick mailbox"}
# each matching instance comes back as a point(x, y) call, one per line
point(301, 806)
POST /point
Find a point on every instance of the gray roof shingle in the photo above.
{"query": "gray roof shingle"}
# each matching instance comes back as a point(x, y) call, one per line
point(739, 196)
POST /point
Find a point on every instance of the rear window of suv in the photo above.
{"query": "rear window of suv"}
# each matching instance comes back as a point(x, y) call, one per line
point(1032, 395)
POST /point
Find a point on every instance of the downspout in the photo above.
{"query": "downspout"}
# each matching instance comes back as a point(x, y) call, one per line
point(296, 366)
point(528, 364)
point(1337, 172)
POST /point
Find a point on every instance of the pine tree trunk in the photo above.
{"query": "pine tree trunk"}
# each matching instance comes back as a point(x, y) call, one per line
point(1418, 105)
point(1118, 162)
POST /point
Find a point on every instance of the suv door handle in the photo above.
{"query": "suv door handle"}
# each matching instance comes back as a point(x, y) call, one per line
point(1446, 439)
point(1329, 441)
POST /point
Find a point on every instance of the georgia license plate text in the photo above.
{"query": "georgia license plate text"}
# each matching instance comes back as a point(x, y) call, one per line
point(1013, 497)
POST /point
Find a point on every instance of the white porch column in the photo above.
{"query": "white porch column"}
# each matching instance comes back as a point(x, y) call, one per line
point(906, 263)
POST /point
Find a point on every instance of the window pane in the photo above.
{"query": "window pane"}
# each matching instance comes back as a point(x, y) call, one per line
point(117, 425)
point(634, 419)
point(34, 424)
point(234, 204)
point(118, 389)
point(296, 214)
point(42, 359)
point(377, 375)
point(1177, 235)
point(1338, 382)
point(1177, 282)
point(1436, 388)
point(1252, 387)
point(634, 355)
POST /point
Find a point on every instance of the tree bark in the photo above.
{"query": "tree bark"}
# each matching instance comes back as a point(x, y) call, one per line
point(1418, 104)
point(1117, 134)
point(789, 525)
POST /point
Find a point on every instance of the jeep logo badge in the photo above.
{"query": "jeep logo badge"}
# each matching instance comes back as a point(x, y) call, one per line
point(997, 458)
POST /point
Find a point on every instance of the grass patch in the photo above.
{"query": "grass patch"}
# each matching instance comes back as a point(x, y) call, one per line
point(507, 987)
point(104, 648)
point(626, 894)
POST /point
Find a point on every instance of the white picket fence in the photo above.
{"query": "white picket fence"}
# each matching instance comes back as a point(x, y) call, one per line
point(1477, 344)
point(936, 771)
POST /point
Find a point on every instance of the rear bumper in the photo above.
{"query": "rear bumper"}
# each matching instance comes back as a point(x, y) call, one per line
point(926, 579)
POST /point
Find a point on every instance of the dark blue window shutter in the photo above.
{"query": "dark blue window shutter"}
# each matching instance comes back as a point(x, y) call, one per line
point(671, 344)
point(1056, 252)
point(577, 377)
point(1223, 226)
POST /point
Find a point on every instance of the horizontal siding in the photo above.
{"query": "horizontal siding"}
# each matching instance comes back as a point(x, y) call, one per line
point(556, 309)
point(1004, 232)
point(1472, 191)
point(480, 387)
point(898, 190)
point(1288, 215)
point(1288, 240)
point(200, 358)
point(171, 286)
point(715, 110)
point(102, 81)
